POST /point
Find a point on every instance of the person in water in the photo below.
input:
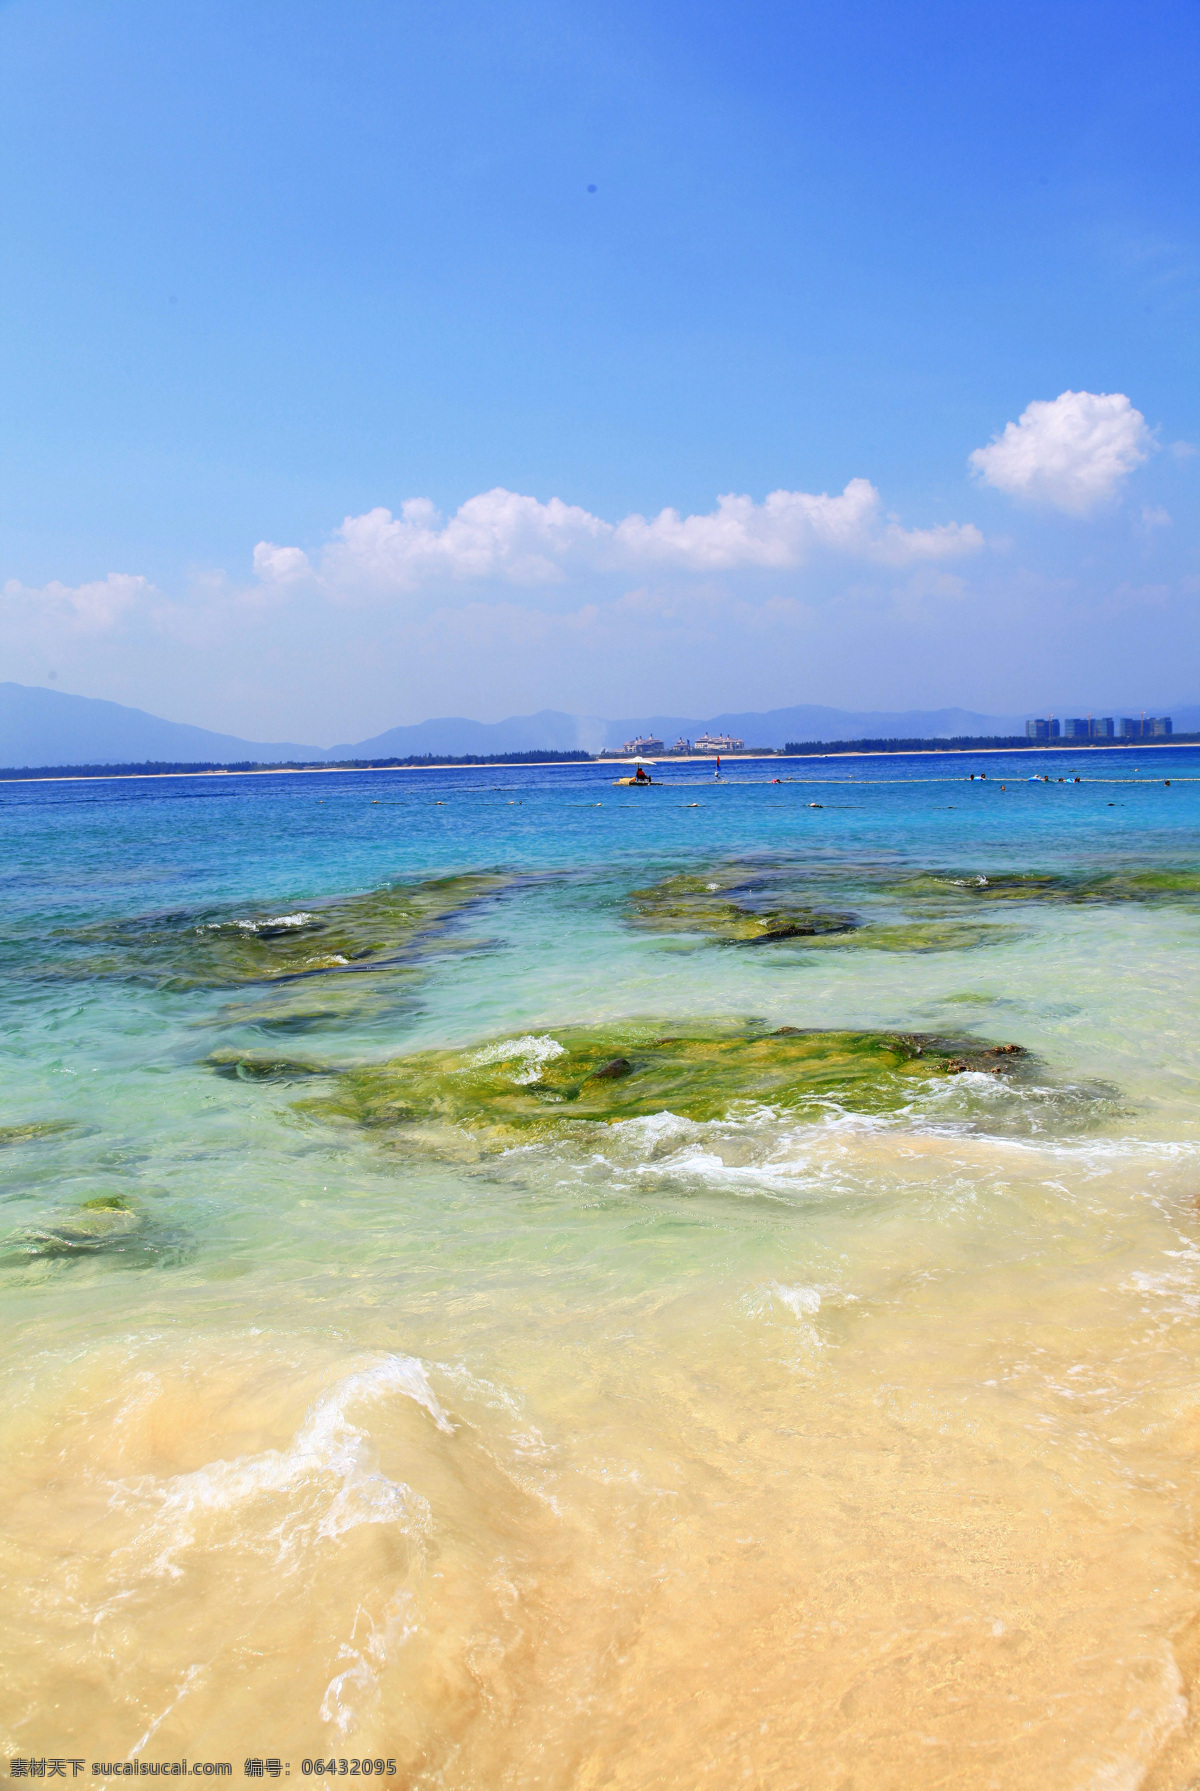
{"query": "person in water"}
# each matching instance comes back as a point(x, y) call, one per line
point(640, 776)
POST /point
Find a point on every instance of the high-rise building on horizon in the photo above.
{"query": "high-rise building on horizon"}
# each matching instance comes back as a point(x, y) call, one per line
point(1088, 727)
point(1100, 727)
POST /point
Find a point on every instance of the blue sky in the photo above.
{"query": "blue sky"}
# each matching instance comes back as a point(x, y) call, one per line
point(269, 267)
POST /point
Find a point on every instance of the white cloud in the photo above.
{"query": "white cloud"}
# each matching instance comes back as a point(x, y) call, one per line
point(92, 607)
point(782, 533)
point(279, 565)
point(519, 540)
point(1071, 452)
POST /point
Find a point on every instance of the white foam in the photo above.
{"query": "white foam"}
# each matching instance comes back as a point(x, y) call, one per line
point(802, 1302)
point(654, 1135)
point(355, 1691)
point(763, 1152)
point(533, 1050)
point(1167, 1285)
point(327, 1447)
point(276, 920)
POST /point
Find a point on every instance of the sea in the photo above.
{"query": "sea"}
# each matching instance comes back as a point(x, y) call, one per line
point(508, 1280)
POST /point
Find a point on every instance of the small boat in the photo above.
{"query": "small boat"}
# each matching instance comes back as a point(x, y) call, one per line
point(641, 777)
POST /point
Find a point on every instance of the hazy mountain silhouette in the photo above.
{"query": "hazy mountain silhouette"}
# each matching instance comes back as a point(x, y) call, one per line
point(50, 727)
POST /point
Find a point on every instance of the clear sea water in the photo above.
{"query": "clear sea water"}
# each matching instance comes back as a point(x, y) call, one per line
point(849, 1449)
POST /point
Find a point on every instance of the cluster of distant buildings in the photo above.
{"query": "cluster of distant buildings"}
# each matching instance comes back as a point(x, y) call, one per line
point(1050, 727)
point(1100, 727)
point(646, 743)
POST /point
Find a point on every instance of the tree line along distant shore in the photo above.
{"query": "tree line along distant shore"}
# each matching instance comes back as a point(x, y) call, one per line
point(803, 749)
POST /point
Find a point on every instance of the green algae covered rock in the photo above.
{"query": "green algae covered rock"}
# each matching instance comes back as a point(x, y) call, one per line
point(107, 1222)
point(896, 909)
point(513, 1090)
point(728, 907)
point(373, 930)
point(1123, 884)
point(934, 934)
point(109, 1230)
point(35, 1129)
point(732, 906)
point(251, 1066)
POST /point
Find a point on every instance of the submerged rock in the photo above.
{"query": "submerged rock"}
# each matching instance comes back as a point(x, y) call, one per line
point(242, 1066)
point(620, 1066)
point(704, 903)
point(108, 1222)
point(770, 907)
point(927, 935)
point(347, 936)
point(509, 1090)
point(110, 1227)
point(895, 909)
point(35, 1129)
point(1125, 884)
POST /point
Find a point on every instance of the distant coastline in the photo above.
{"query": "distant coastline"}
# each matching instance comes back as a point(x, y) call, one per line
point(990, 743)
point(46, 731)
point(279, 767)
point(831, 749)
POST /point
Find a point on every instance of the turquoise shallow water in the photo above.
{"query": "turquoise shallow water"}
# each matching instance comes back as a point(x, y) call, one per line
point(628, 1453)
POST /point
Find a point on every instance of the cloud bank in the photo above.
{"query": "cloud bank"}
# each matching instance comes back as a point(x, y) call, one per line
point(91, 608)
point(510, 604)
point(1072, 452)
point(506, 536)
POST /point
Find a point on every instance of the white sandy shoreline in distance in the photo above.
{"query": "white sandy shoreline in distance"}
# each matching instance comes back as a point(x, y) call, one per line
point(743, 758)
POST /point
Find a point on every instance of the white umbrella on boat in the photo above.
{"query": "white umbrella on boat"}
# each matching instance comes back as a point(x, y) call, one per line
point(637, 761)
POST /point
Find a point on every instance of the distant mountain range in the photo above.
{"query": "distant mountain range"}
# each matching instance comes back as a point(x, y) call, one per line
point(48, 727)
point(773, 727)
